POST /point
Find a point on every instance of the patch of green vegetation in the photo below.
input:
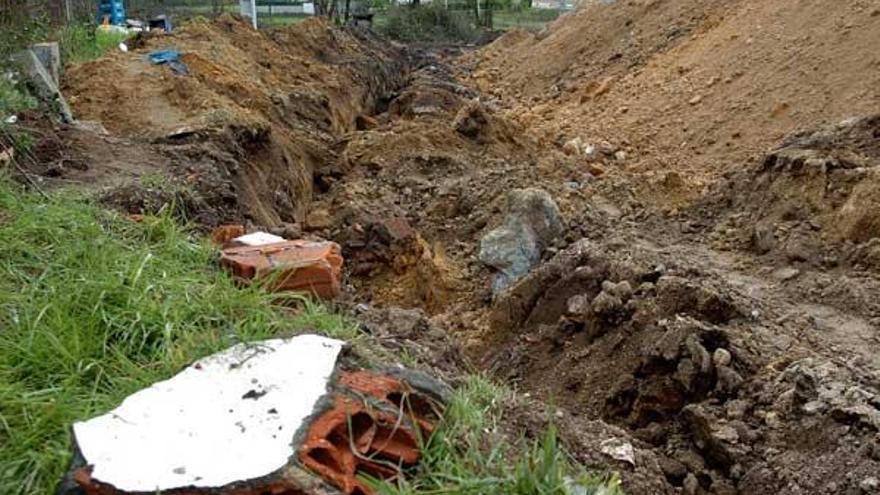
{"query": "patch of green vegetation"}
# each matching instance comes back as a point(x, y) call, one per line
point(13, 98)
point(94, 307)
point(82, 42)
point(24, 31)
point(468, 454)
point(280, 20)
point(430, 22)
point(528, 19)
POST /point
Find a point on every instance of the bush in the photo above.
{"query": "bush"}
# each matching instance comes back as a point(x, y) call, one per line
point(428, 23)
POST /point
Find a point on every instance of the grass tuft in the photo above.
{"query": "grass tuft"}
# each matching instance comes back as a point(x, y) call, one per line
point(94, 307)
point(470, 454)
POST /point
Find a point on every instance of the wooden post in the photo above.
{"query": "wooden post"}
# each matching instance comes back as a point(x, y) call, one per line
point(67, 12)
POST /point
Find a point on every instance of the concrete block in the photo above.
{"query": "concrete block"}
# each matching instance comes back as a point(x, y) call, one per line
point(50, 55)
point(43, 83)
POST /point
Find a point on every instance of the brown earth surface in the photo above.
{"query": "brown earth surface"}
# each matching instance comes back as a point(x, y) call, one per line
point(713, 300)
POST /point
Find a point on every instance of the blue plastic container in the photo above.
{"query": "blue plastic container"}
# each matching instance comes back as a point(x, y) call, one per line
point(113, 9)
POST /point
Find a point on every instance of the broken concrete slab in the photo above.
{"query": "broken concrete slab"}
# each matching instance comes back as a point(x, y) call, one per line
point(279, 416)
point(227, 418)
point(256, 239)
point(43, 83)
point(299, 266)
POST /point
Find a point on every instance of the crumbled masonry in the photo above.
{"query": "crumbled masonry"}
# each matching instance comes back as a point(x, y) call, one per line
point(282, 416)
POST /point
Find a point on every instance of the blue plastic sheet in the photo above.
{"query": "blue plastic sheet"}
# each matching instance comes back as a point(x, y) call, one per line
point(170, 57)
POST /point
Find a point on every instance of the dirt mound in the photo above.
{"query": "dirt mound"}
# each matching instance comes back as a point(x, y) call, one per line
point(258, 111)
point(813, 200)
point(684, 85)
point(696, 360)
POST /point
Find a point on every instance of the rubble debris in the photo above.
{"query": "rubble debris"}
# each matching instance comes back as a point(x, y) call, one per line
point(299, 266)
point(196, 430)
point(278, 416)
point(386, 434)
point(532, 223)
point(619, 449)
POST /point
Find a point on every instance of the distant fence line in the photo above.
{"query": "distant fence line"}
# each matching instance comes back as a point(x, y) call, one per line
point(14, 13)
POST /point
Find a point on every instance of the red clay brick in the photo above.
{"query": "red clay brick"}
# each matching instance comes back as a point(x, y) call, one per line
point(381, 440)
point(301, 266)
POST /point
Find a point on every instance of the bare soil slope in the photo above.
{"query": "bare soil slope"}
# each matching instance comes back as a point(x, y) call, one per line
point(688, 86)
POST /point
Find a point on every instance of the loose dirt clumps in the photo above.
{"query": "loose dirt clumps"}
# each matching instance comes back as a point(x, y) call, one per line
point(812, 200)
point(690, 360)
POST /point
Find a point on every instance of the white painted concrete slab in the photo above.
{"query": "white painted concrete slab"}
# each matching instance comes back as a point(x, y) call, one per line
point(228, 417)
point(257, 239)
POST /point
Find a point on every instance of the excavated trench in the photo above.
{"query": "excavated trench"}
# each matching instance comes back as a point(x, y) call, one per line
point(728, 367)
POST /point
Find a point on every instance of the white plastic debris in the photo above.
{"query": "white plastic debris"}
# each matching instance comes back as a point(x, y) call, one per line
point(618, 449)
point(229, 417)
point(123, 47)
point(257, 239)
point(12, 119)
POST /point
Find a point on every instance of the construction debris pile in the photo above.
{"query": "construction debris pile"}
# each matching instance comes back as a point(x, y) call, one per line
point(283, 416)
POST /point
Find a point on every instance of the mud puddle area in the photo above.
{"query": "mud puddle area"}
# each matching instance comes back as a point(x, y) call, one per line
point(729, 343)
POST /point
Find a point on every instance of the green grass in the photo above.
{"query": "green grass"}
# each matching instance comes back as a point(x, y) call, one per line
point(13, 99)
point(280, 20)
point(94, 307)
point(430, 22)
point(83, 43)
point(528, 19)
point(470, 454)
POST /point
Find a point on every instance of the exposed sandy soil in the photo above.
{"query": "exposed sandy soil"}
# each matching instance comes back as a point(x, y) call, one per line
point(713, 299)
point(687, 86)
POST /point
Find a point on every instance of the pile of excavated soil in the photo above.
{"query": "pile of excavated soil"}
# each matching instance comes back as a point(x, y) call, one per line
point(712, 304)
point(687, 87)
point(254, 113)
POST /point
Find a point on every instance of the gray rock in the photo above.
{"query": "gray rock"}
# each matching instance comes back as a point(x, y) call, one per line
point(721, 357)
point(532, 223)
point(578, 305)
point(606, 303)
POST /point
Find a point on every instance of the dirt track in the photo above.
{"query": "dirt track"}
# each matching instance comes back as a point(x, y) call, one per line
point(733, 242)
